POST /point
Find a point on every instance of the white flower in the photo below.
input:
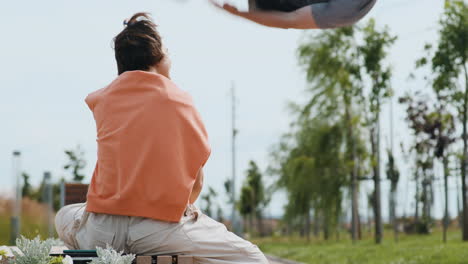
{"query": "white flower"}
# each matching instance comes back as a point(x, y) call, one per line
point(67, 260)
point(5, 252)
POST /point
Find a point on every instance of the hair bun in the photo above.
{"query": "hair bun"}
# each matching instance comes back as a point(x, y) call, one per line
point(139, 17)
point(127, 23)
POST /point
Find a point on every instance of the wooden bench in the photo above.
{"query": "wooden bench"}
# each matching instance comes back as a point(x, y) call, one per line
point(87, 255)
point(180, 259)
point(72, 193)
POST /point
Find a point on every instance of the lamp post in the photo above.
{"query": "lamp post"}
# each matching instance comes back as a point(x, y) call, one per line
point(16, 214)
point(48, 198)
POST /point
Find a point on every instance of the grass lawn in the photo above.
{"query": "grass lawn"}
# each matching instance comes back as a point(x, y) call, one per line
point(33, 221)
point(414, 249)
point(30, 228)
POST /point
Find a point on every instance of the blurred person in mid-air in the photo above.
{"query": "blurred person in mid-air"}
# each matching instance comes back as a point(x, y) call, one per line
point(302, 14)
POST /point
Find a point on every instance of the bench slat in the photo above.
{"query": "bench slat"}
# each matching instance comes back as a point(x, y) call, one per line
point(164, 260)
point(182, 259)
point(143, 260)
point(75, 193)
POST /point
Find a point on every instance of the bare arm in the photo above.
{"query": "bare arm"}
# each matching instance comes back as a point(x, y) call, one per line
point(197, 187)
point(299, 19)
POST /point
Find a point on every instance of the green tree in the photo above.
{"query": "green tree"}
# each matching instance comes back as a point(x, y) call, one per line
point(421, 121)
point(220, 214)
point(442, 130)
point(76, 163)
point(313, 173)
point(245, 206)
point(208, 199)
point(374, 51)
point(230, 199)
point(56, 187)
point(394, 176)
point(253, 197)
point(449, 78)
point(331, 63)
point(27, 190)
point(39, 194)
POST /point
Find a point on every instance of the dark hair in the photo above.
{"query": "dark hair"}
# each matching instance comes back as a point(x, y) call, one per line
point(138, 46)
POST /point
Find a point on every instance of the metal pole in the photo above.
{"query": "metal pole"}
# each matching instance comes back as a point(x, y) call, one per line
point(393, 196)
point(62, 193)
point(16, 215)
point(233, 183)
point(48, 198)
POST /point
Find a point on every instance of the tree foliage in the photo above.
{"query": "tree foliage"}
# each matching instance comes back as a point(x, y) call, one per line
point(447, 61)
point(253, 197)
point(209, 201)
point(76, 163)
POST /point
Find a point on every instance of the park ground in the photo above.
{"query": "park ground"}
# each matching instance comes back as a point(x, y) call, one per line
point(410, 249)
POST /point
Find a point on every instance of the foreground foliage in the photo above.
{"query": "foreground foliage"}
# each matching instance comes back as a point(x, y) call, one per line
point(35, 251)
point(110, 256)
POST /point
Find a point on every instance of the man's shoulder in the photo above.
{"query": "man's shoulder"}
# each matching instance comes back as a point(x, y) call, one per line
point(175, 94)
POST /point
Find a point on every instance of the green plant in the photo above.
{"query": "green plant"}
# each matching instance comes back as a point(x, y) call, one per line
point(34, 251)
point(56, 260)
point(110, 256)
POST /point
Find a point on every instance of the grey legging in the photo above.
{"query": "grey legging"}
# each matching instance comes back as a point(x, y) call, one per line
point(326, 13)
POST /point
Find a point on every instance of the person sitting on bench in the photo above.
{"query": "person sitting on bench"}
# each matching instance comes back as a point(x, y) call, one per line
point(152, 146)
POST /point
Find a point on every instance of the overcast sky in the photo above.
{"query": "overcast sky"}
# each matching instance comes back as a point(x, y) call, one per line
point(53, 53)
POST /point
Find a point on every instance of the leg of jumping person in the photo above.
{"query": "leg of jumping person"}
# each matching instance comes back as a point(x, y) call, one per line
point(340, 13)
point(299, 19)
point(331, 14)
point(285, 5)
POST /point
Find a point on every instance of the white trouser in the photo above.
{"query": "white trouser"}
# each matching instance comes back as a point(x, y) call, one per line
point(196, 234)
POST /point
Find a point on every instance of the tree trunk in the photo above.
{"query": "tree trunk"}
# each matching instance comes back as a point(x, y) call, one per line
point(307, 225)
point(316, 223)
point(432, 195)
point(259, 223)
point(354, 180)
point(464, 158)
point(251, 223)
point(426, 201)
point(354, 209)
point(393, 217)
point(392, 200)
point(359, 226)
point(244, 223)
point(459, 210)
point(416, 197)
point(302, 226)
point(326, 228)
point(446, 214)
point(375, 168)
point(339, 219)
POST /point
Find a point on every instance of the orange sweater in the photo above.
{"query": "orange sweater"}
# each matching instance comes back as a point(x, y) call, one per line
point(151, 144)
